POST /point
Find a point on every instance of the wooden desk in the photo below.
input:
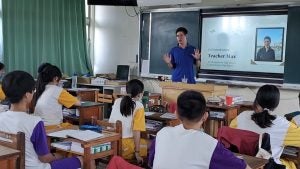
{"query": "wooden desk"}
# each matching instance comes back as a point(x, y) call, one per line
point(87, 145)
point(166, 121)
point(87, 110)
point(8, 157)
point(212, 124)
point(115, 88)
point(85, 94)
point(253, 162)
point(244, 106)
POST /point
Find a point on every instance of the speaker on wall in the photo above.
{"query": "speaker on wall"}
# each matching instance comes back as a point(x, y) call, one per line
point(113, 2)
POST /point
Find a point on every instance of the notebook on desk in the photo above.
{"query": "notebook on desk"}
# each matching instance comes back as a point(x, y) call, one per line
point(83, 135)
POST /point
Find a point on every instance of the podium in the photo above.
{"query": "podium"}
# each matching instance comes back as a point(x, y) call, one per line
point(171, 90)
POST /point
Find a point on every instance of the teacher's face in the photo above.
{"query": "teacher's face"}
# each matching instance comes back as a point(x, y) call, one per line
point(181, 38)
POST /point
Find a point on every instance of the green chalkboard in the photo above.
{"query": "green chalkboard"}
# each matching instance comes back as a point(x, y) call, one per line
point(161, 35)
point(292, 60)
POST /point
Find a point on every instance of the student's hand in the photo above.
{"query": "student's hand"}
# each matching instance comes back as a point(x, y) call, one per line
point(167, 58)
point(139, 158)
point(196, 54)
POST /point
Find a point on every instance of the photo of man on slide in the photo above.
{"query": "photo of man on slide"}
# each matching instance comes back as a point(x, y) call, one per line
point(266, 53)
point(269, 44)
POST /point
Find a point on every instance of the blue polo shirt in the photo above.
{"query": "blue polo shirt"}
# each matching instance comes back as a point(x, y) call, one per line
point(183, 63)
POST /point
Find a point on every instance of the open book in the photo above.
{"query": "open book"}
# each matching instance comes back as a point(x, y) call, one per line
point(84, 135)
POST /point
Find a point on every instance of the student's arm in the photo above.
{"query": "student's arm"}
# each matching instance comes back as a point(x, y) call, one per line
point(66, 99)
point(222, 157)
point(39, 141)
point(138, 126)
point(292, 137)
point(233, 123)
point(2, 95)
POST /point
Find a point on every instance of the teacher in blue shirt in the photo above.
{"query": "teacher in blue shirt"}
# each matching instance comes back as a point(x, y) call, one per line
point(182, 57)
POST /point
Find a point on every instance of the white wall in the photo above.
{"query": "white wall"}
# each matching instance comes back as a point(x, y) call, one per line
point(116, 38)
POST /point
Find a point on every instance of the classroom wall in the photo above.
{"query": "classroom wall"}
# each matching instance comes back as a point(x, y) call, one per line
point(116, 41)
point(116, 38)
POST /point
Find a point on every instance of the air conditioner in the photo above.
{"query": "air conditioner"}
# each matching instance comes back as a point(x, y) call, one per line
point(142, 3)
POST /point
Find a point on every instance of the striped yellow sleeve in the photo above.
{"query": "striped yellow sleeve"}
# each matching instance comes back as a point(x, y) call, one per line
point(292, 137)
point(2, 95)
point(139, 120)
point(66, 99)
point(233, 123)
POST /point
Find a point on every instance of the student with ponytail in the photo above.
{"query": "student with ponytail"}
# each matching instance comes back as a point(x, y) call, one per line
point(262, 120)
point(49, 97)
point(130, 111)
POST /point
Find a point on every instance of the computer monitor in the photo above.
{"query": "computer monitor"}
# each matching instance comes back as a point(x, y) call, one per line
point(122, 72)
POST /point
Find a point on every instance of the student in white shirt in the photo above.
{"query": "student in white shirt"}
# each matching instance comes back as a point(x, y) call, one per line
point(18, 87)
point(186, 145)
point(130, 111)
point(262, 120)
point(49, 97)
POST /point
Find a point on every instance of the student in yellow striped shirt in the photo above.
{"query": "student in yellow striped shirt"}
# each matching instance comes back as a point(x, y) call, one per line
point(2, 72)
point(262, 120)
point(49, 97)
point(130, 111)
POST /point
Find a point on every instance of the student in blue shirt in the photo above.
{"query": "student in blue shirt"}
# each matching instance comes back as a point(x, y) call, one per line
point(182, 57)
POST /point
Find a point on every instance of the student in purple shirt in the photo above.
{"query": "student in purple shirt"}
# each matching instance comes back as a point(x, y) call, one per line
point(186, 145)
point(182, 58)
point(19, 87)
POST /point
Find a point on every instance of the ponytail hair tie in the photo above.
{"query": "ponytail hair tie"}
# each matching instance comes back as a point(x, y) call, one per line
point(267, 109)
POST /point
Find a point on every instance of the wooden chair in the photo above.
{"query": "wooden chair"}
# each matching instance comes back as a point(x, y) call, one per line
point(105, 98)
point(15, 141)
point(113, 127)
point(293, 157)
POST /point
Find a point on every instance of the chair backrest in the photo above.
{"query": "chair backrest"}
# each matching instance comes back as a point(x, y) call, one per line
point(242, 141)
point(113, 127)
point(15, 141)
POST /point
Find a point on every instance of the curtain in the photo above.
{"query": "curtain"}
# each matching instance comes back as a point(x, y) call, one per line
point(37, 31)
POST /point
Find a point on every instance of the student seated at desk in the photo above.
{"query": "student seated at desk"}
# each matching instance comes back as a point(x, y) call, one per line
point(2, 72)
point(18, 86)
point(186, 145)
point(49, 97)
point(282, 132)
point(130, 111)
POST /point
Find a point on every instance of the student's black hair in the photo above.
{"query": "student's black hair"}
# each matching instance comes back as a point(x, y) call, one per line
point(191, 105)
point(45, 76)
point(267, 98)
point(267, 37)
point(16, 84)
point(182, 29)
point(43, 66)
point(133, 88)
point(1, 66)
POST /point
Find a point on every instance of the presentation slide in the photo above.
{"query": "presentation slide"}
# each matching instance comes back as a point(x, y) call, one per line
point(244, 43)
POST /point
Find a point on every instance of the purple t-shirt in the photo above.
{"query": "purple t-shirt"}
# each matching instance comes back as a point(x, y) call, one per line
point(39, 142)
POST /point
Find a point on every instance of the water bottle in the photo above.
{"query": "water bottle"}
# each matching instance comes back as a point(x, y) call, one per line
point(145, 100)
point(74, 81)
